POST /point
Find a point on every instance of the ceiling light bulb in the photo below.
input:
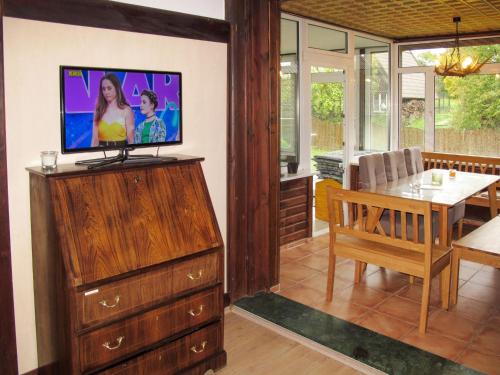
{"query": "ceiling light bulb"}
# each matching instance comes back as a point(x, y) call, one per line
point(467, 61)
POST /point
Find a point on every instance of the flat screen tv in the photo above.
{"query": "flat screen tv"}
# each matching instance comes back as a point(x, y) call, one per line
point(116, 109)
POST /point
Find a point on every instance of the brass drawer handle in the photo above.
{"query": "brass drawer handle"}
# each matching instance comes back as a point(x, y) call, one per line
point(196, 313)
point(105, 303)
point(195, 277)
point(119, 341)
point(194, 349)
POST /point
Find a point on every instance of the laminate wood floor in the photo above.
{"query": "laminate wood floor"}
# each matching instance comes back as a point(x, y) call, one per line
point(256, 350)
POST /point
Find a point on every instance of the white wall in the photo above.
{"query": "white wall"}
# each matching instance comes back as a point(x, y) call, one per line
point(33, 52)
point(206, 8)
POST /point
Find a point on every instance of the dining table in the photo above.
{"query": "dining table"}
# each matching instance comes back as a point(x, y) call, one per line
point(450, 191)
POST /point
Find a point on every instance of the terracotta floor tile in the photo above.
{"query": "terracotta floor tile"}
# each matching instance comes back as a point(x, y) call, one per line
point(481, 293)
point(360, 294)
point(450, 324)
point(341, 309)
point(286, 283)
point(325, 252)
point(386, 280)
point(466, 273)
point(318, 282)
point(472, 309)
point(414, 292)
point(487, 363)
point(345, 270)
point(488, 276)
point(386, 325)
point(290, 255)
point(494, 320)
point(488, 341)
point(296, 272)
point(435, 343)
point(304, 295)
point(470, 264)
point(315, 261)
point(401, 308)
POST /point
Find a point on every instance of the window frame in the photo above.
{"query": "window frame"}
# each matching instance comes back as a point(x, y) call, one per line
point(429, 116)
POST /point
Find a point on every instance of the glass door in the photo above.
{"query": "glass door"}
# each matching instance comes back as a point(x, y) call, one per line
point(327, 122)
point(327, 140)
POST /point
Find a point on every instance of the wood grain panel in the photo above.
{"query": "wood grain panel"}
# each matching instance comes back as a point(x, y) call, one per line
point(132, 334)
point(253, 192)
point(285, 212)
point(106, 238)
point(119, 16)
point(196, 273)
point(173, 357)
point(121, 297)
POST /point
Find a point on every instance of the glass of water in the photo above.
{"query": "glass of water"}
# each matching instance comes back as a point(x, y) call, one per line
point(49, 160)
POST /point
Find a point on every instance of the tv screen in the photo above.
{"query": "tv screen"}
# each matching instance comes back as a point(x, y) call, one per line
point(104, 109)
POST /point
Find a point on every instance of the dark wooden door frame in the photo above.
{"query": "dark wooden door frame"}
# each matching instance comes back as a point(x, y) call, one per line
point(253, 131)
point(253, 146)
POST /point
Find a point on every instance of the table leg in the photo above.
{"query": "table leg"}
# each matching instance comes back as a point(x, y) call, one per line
point(443, 226)
point(455, 269)
point(492, 193)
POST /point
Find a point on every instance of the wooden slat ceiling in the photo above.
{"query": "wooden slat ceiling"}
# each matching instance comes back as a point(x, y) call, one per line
point(402, 19)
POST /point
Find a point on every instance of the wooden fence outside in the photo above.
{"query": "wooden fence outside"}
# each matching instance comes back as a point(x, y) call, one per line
point(486, 142)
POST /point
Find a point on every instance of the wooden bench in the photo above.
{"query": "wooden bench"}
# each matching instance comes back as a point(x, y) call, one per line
point(466, 163)
point(481, 246)
point(364, 239)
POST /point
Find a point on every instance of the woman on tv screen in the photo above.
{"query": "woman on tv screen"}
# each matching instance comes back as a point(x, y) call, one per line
point(113, 116)
point(152, 129)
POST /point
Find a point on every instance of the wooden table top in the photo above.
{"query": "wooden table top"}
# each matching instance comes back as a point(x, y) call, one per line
point(484, 238)
point(451, 192)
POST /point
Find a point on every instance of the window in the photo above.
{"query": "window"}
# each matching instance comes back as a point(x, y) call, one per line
point(327, 39)
point(412, 110)
point(429, 53)
point(372, 111)
point(467, 114)
point(459, 115)
point(289, 89)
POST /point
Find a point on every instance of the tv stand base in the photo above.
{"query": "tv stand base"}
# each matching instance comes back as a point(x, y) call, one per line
point(125, 158)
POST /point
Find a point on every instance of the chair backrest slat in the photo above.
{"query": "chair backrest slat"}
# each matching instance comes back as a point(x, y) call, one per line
point(404, 237)
point(392, 218)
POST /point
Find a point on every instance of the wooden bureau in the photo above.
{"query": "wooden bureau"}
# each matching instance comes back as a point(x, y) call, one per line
point(128, 270)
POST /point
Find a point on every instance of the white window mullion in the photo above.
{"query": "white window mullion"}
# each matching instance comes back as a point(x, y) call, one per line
point(429, 111)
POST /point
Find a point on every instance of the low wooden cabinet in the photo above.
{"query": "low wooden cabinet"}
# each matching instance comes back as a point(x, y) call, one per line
point(128, 270)
point(296, 197)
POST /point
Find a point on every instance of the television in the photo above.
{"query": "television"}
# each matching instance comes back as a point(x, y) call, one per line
point(119, 109)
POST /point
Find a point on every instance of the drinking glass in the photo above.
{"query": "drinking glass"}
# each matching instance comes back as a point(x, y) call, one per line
point(437, 178)
point(49, 160)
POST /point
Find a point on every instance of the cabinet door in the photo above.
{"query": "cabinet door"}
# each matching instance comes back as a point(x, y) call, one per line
point(115, 222)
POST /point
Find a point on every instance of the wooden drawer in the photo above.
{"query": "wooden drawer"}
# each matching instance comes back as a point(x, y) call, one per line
point(194, 273)
point(121, 297)
point(173, 357)
point(116, 340)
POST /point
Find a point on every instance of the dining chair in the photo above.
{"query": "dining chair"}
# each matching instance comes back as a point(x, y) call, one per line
point(413, 160)
point(371, 171)
point(362, 239)
point(395, 165)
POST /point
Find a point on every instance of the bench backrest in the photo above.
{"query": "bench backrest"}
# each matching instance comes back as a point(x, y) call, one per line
point(465, 163)
point(365, 211)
